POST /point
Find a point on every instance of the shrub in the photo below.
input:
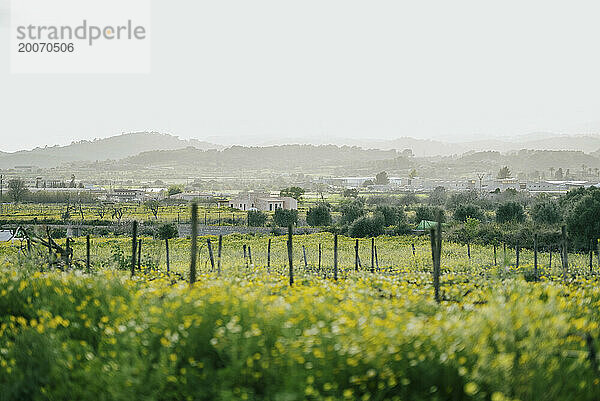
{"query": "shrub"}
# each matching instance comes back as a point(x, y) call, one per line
point(546, 212)
point(429, 213)
point(351, 210)
point(583, 220)
point(167, 231)
point(292, 192)
point(510, 212)
point(284, 217)
point(463, 212)
point(392, 215)
point(318, 215)
point(256, 218)
point(350, 193)
point(438, 196)
point(366, 227)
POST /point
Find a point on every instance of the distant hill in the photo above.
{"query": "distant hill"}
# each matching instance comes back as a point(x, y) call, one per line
point(112, 148)
point(422, 147)
point(285, 158)
point(530, 160)
point(432, 147)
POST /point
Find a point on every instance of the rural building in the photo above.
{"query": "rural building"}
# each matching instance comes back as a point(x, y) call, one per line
point(193, 196)
point(555, 186)
point(262, 202)
point(504, 184)
point(347, 182)
point(126, 195)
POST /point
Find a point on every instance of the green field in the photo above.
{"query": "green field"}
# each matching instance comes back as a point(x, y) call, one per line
point(246, 334)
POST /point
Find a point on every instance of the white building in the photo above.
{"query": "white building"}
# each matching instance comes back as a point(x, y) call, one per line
point(262, 202)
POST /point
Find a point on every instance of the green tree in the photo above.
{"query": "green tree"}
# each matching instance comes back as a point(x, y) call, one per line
point(368, 183)
point(174, 190)
point(583, 217)
point(430, 213)
point(366, 226)
point(559, 174)
point(391, 215)
point(382, 178)
point(154, 206)
point(318, 215)
point(438, 197)
point(546, 212)
point(461, 198)
point(504, 173)
point(256, 218)
point(464, 212)
point(351, 210)
point(471, 228)
point(292, 192)
point(468, 233)
point(510, 212)
point(17, 190)
point(284, 217)
point(350, 193)
point(167, 231)
point(409, 199)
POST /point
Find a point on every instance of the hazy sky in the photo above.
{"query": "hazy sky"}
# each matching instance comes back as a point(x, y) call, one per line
point(370, 69)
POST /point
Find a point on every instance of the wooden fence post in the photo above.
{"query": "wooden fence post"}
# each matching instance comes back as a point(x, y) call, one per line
point(210, 255)
point(290, 255)
point(168, 261)
point(372, 255)
point(194, 244)
point(517, 251)
point(133, 246)
point(269, 256)
point(435, 255)
point(413, 249)
point(245, 256)
point(219, 250)
point(469, 250)
point(139, 255)
point(376, 259)
point(87, 253)
point(304, 254)
point(550, 260)
point(250, 255)
point(356, 255)
point(335, 257)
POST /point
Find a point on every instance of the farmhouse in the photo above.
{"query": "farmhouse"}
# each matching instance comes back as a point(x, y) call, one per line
point(126, 195)
point(262, 202)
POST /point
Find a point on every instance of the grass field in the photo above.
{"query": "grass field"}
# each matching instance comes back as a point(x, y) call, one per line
point(246, 334)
